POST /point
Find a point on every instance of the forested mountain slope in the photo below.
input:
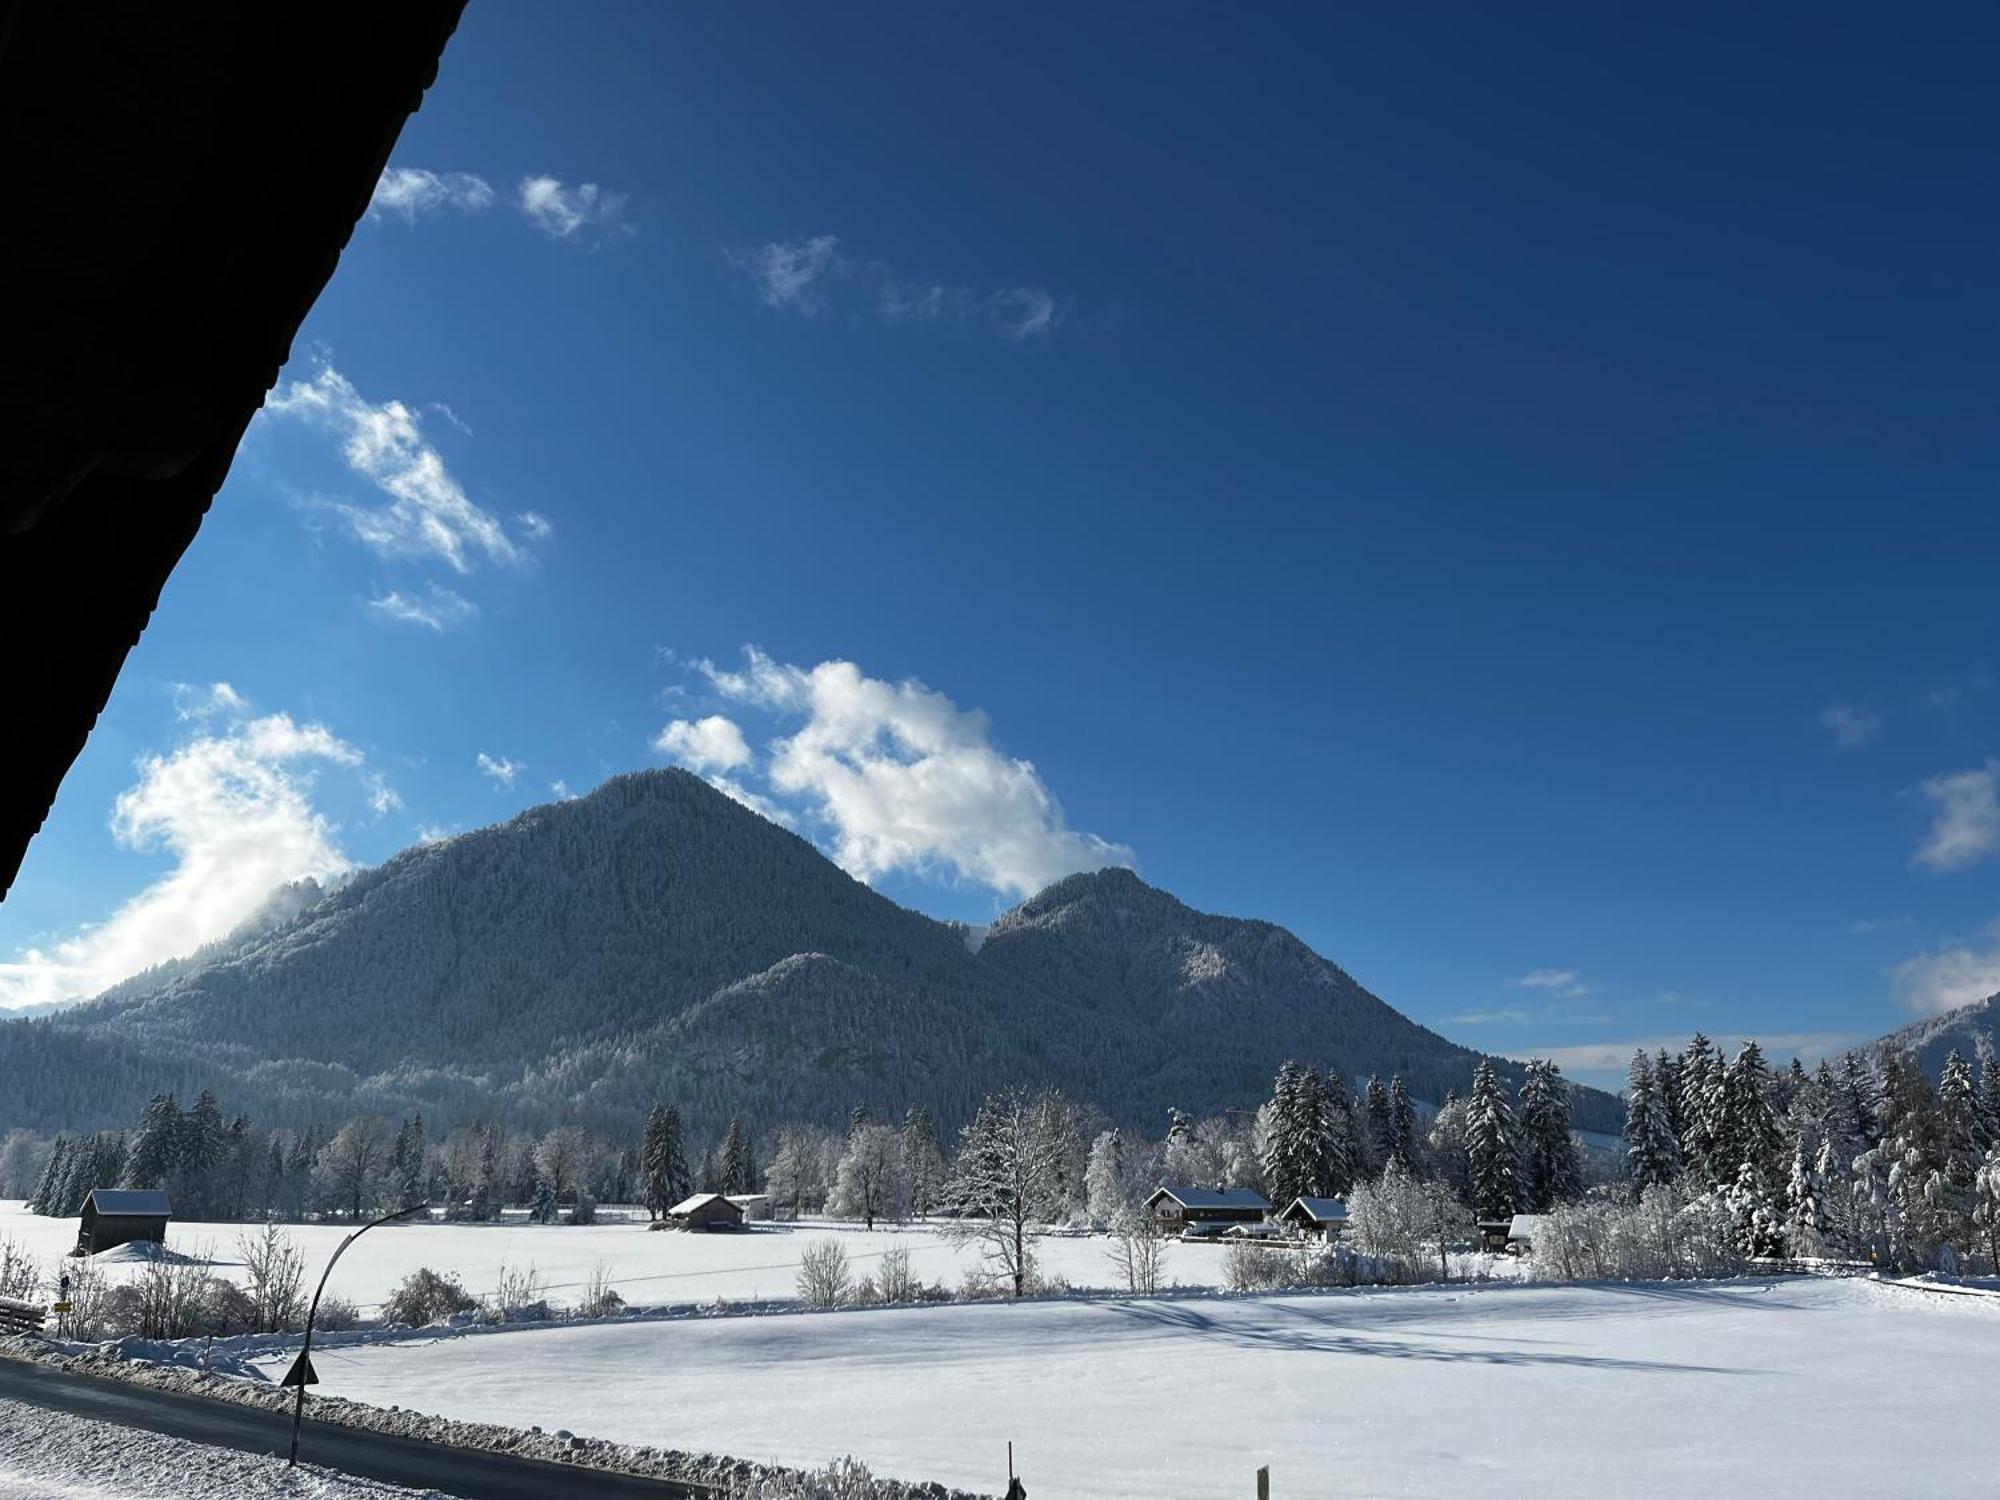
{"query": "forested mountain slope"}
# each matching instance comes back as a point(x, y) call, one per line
point(1973, 1030)
point(655, 939)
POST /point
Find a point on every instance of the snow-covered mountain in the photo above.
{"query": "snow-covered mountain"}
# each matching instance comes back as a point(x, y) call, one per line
point(1973, 1030)
point(657, 940)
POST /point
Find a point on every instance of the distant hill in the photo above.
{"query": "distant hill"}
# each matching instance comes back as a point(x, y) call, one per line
point(655, 939)
point(1972, 1029)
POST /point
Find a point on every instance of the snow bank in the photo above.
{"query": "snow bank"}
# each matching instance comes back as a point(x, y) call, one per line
point(46, 1455)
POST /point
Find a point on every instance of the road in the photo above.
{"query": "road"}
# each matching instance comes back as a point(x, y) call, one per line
point(353, 1450)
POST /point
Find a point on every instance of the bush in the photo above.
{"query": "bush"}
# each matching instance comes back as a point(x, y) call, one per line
point(517, 1297)
point(894, 1280)
point(843, 1479)
point(337, 1315)
point(19, 1272)
point(427, 1297)
point(1669, 1235)
point(1139, 1254)
point(824, 1278)
point(599, 1300)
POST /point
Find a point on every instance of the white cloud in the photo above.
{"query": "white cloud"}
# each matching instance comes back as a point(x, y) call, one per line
point(565, 213)
point(1966, 824)
point(1852, 727)
point(711, 744)
point(437, 610)
point(500, 770)
point(906, 780)
point(412, 193)
point(233, 808)
point(795, 274)
point(433, 833)
point(535, 526)
point(207, 701)
point(1951, 976)
point(1560, 982)
point(428, 514)
point(813, 277)
point(559, 789)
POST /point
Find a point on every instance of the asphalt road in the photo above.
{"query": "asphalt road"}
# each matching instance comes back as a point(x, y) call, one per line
point(353, 1450)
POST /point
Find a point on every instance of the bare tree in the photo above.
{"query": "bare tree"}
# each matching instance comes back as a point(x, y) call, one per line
point(276, 1269)
point(1004, 1183)
point(824, 1278)
point(1138, 1253)
point(870, 1181)
point(561, 1158)
point(352, 1163)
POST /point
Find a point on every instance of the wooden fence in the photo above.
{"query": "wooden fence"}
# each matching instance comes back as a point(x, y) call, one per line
point(20, 1317)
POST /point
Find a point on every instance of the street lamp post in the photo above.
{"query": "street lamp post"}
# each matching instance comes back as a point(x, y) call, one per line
point(304, 1362)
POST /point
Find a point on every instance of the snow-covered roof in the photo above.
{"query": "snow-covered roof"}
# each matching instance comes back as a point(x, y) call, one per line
point(689, 1205)
point(1524, 1226)
point(744, 1200)
point(136, 1202)
point(1197, 1197)
point(1323, 1210)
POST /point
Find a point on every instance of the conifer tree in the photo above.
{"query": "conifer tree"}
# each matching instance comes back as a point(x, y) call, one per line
point(736, 1167)
point(1552, 1172)
point(1652, 1154)
point(923, 1160)
point(663, 1161)
point(1701, 1107)
point(1959, 1130)
point(155, 1149)
point(1402, 1124)
point(53, 1171)
point(1378, 1136)
point(1492, 1146)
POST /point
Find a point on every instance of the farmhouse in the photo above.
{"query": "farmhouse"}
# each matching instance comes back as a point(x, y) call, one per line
point(1325, 1217)
point(1180, 1208)
point(118, 1216)
point(706, 1211)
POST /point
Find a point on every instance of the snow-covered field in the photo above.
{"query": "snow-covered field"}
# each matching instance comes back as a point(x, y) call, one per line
point(47, 1455)
point(1817, 1387)
point(645, 1268)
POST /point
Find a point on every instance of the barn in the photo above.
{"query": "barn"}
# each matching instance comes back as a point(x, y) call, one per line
point(118, 1216)
point(706, 1211)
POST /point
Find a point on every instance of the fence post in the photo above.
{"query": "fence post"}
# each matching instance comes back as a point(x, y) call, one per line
point(1264, 1483)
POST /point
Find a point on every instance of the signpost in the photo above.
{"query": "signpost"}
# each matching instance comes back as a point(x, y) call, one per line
point(302, 1373)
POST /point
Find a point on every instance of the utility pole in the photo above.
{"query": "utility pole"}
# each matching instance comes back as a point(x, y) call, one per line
point(301, 1373)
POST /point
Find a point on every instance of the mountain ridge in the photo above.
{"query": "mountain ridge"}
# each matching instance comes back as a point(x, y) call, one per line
point(657, 940)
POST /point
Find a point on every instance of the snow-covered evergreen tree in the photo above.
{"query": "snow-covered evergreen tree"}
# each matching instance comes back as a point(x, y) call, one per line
point(1492, 1146)
point(1551, 1170)
point(923, 1160)
point(737, 1170)
point(1652, 1154)
point(1402, 1124)
point(1377, 1136)
point(155, 1148)
point(1701, 1108)
point(663, 1161)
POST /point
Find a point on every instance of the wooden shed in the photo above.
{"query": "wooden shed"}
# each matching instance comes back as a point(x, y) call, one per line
point(756, 1206)
point(706, 1211)
point(1494, 1234)
point(118, 1216)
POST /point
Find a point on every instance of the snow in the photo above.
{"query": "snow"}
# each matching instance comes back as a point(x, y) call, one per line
point(1629, 1389)
point(47, 1455)
point(758, 1262)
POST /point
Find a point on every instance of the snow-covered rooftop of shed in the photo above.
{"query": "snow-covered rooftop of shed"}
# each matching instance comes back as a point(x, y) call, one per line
point(136, 1202)
point(689, 1205)
point(1325, 1210)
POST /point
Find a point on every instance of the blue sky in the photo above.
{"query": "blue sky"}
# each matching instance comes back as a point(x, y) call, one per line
point(1509, 500)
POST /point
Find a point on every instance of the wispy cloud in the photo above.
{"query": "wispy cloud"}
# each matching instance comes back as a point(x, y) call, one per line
point(233, 806)
point(1965, 823)
point(500, 770)
point(428, 514)
point(584, 212)
point(897, 775)
point(1562, 983)
point(437, 609)
point(1850, 726)
point(1950, 975)
point(815, 278)
point(413, 193)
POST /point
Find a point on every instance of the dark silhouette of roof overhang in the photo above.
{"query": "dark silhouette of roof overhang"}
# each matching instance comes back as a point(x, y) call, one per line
point(181, 179)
